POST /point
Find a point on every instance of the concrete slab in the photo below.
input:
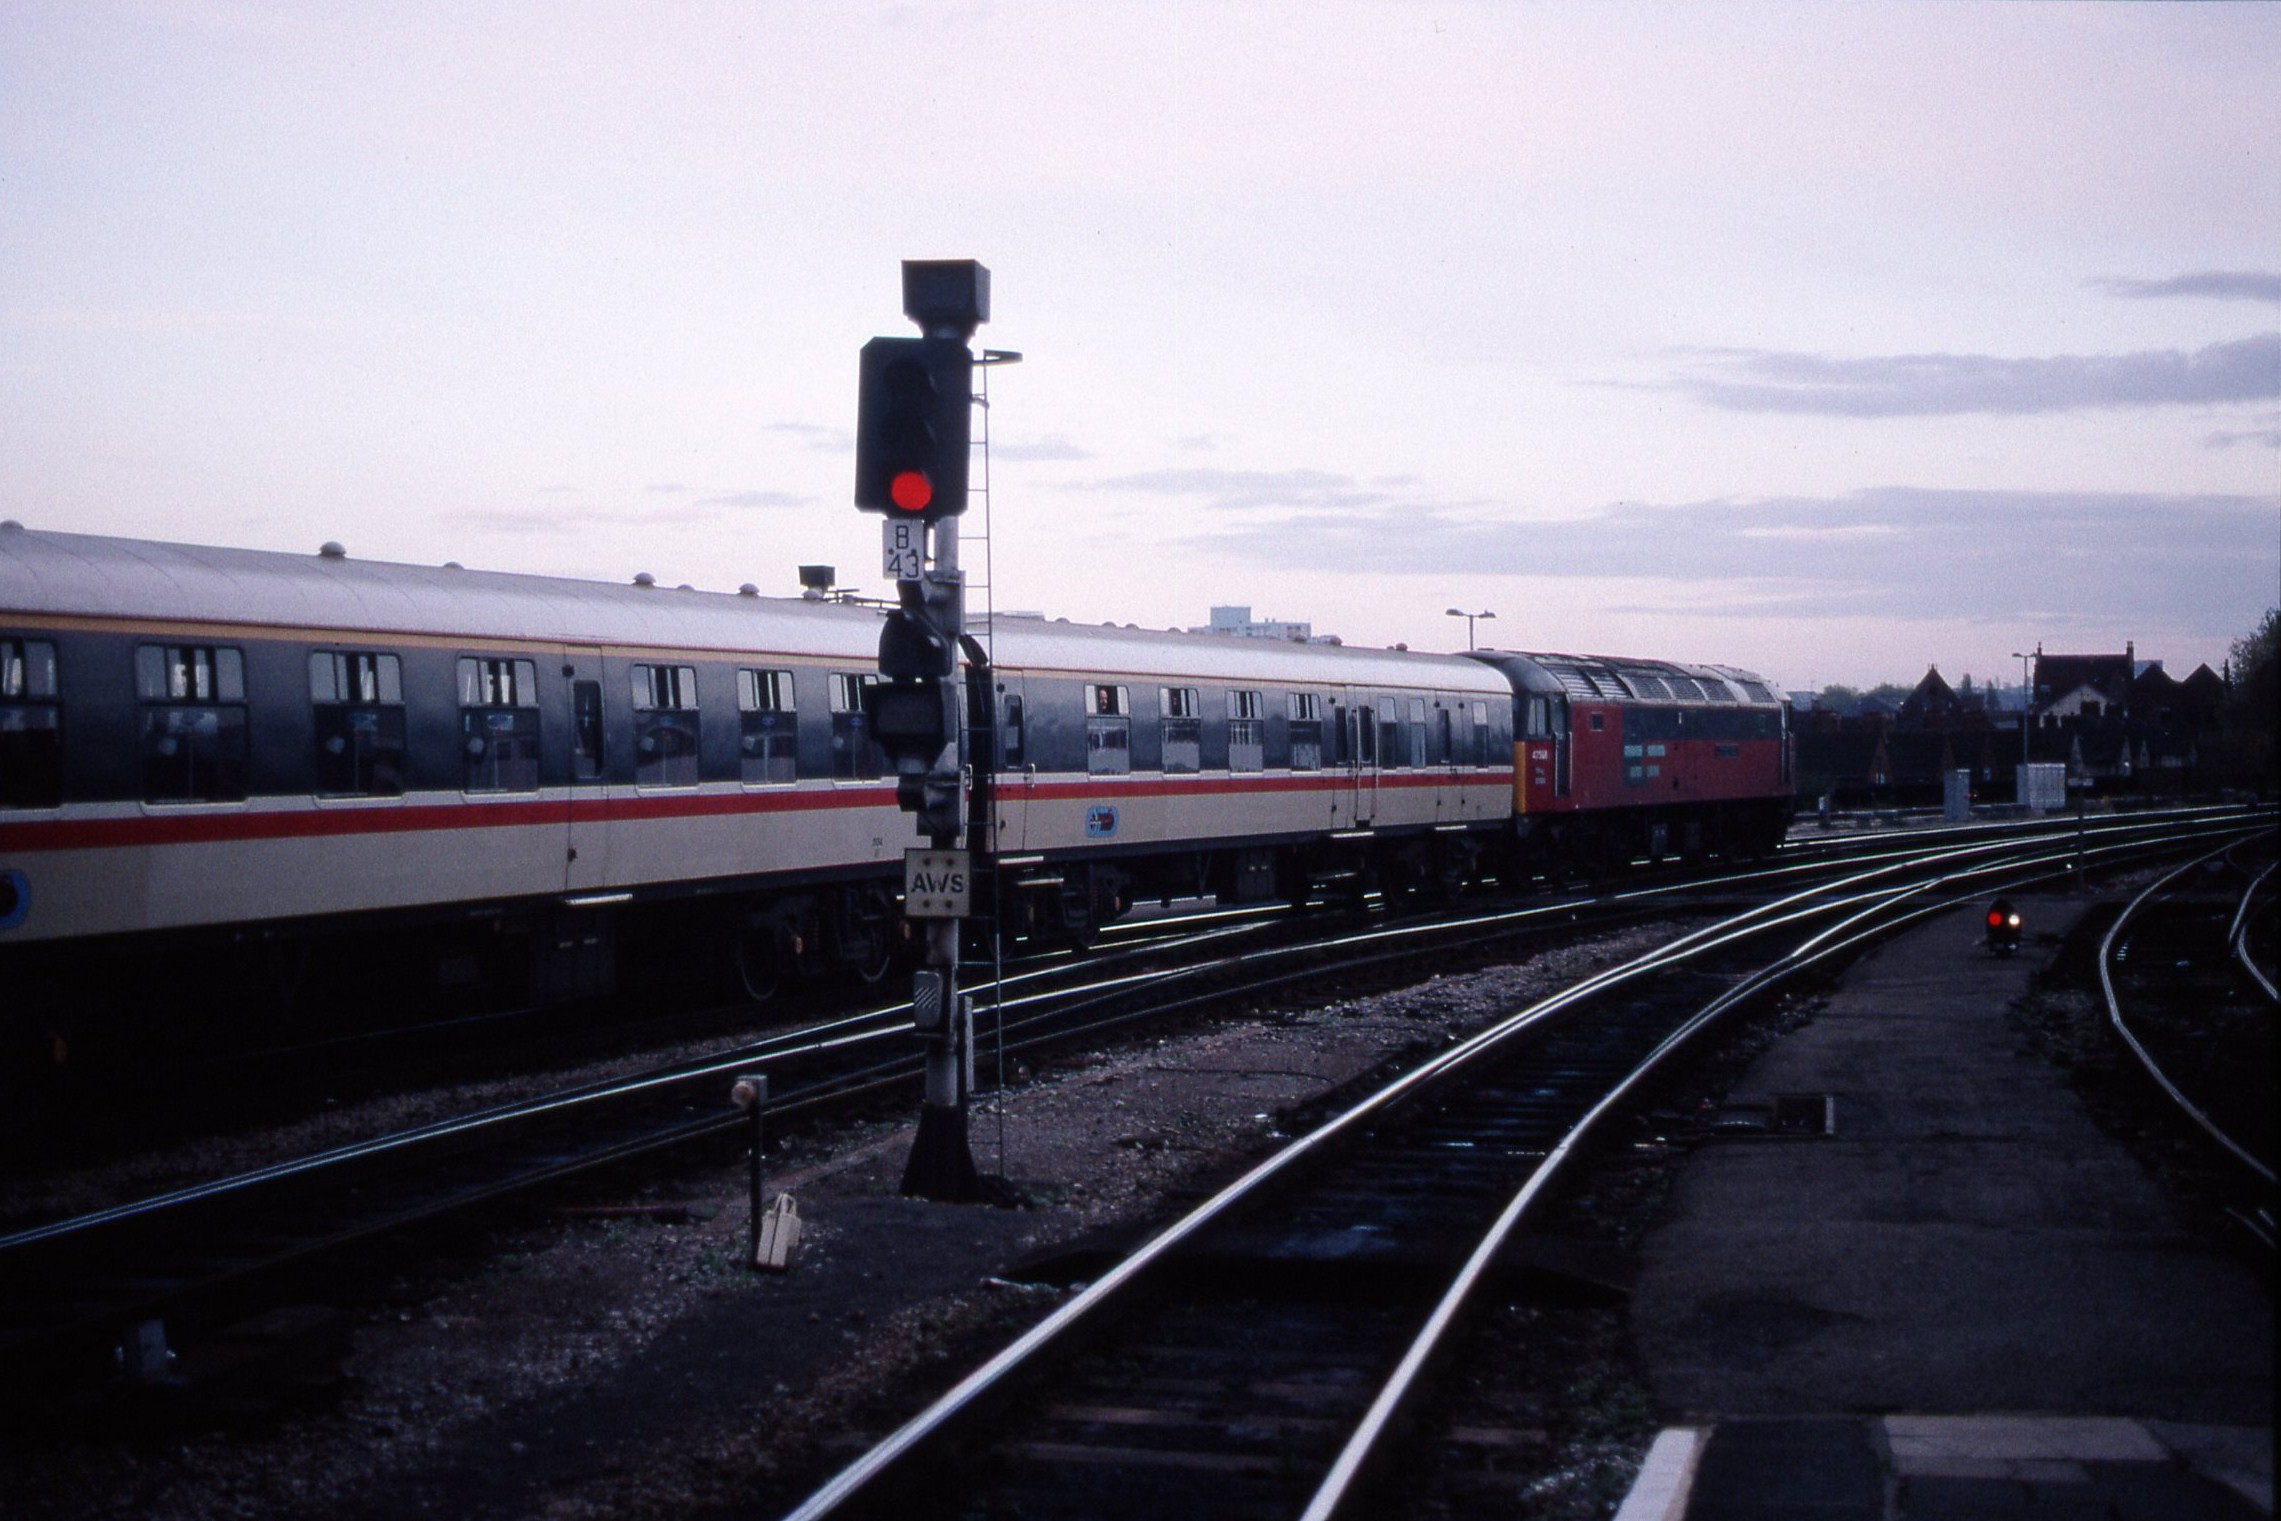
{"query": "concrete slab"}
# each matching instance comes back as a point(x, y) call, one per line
point(1933, 1468)
point(1918, 1441)
point(1968, 1239)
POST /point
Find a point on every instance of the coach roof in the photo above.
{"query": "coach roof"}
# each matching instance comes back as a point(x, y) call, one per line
point(89, 576)
point(81, 575)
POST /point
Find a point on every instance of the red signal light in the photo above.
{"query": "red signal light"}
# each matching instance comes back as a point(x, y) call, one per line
point(1995, 918)
point(911, 490)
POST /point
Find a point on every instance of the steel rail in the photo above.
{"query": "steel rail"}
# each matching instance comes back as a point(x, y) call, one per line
point(907, 1439)
point(838, 1034)
point(2146, 1058)
point(844, 1031)
point(2237, 935)
point(1878, 919)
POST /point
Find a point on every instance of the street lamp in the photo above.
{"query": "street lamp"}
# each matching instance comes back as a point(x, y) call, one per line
point(2027, 697)
point(1459, 612)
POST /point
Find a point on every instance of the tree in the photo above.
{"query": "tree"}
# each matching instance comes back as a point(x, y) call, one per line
point(2256, 671)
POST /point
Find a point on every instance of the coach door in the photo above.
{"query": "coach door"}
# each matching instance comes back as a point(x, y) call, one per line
point(1015, 773)
point(1358, 746)
point(588, 858)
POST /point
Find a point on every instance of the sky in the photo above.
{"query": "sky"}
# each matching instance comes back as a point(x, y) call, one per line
point(1833, 342)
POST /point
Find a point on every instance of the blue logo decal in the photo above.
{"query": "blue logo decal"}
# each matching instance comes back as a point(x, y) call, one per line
point(1100, 822)
point(15, 898)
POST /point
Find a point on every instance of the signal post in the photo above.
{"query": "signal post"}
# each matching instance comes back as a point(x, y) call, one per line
point(911, 443)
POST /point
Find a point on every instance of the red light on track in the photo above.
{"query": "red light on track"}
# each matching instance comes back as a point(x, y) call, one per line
point(911, 490)
point(1995, 918)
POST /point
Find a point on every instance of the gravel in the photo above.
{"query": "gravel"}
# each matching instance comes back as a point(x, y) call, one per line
point(582, 1363)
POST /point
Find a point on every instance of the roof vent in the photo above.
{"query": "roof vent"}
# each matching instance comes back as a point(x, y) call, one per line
point(748, 590)
point(453, 565)
point(10, 525)
point(331, 550)
point(644, 578)
point(685, 586)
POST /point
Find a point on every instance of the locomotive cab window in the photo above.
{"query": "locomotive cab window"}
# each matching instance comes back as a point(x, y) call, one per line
point(1306, 731)
point(854, 756)
point(665, 725)
point(1247, 731)
point(31, 725)
point(768, 748)
point(358, 698)
point(193, 722)
point(1108, 731)
point(498, 724)
point(1183, 729)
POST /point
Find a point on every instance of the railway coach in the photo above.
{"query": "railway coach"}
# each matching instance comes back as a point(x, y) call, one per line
point(243, 792)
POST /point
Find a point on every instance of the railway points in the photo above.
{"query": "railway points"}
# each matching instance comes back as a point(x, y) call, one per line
point(952, 1255)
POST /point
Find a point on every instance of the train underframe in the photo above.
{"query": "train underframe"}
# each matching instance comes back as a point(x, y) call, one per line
point(1596, 843)
point(153, 1002)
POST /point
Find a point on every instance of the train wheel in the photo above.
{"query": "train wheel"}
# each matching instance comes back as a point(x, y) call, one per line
point(871, 967)
point(760, 960)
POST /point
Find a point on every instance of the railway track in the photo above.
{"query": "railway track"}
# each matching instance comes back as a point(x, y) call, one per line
point(1257, 1357)
point(71, 1290)
point(2195, 1010)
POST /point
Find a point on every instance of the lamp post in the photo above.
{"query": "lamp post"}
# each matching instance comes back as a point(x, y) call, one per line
point(1459, 612)
point(2027, 697)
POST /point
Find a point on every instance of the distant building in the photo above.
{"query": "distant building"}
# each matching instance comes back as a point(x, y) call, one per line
point(1237, 622)
point(2115, 721)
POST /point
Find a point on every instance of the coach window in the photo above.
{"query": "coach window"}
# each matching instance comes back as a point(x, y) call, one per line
point(1108, 731)
point(358, 696)
point(854, 756)
point(193, 722)
point(31, 725)
point(1417, 733)
point(1478, 753)
point(768, 749)
point(1013, 738)
point(498, 724)
point(1247, 731)
point(1183, 729)
point(665, 725)
point(1306, 731)
point(1390, 747)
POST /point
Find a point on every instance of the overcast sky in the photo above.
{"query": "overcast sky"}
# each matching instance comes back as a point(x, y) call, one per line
point(1829, 341)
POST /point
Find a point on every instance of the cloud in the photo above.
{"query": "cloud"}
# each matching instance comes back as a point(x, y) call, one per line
point(2216, 284)
point(2205, 563)
point(757, 499)
point(1312, 489)
point(816, 436)
point(1055, 447)
point(1925, 385)
point(2267, 438)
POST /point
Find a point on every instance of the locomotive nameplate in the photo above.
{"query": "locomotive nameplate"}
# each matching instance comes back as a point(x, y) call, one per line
point(936, 884)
